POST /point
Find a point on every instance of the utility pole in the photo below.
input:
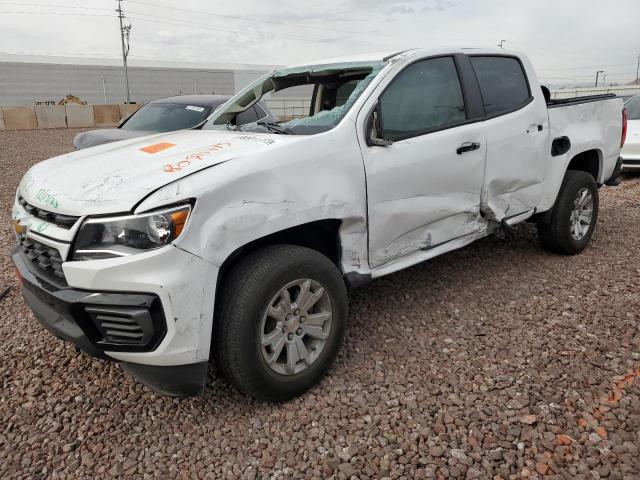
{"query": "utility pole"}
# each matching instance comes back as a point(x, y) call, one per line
point(598, 75)
point(501, 44)
point(125, 30)
point(638, 71)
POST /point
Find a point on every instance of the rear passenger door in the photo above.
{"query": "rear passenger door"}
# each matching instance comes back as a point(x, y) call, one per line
point(517, 132)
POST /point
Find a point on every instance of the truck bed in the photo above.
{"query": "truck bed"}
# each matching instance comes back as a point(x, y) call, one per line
point(590, 123)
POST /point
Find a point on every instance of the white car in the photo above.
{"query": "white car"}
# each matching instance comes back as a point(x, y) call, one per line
point(240, 242)
point(631, 148)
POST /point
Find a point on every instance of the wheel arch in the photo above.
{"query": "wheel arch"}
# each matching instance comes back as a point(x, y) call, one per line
point(320, 235)
point(589, 161)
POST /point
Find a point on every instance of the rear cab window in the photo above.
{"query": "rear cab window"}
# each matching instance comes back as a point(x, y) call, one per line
point(503, 83)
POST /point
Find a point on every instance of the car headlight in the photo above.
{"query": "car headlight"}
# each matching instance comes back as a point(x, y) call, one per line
point(121, 236)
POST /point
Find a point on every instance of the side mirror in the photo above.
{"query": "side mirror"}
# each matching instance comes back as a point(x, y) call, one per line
point(375, 136)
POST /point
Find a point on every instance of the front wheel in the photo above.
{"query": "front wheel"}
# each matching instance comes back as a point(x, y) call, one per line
point(574, 215)
point(281, 321)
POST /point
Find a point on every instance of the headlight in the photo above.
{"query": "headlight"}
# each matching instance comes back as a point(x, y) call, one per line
point(122, 236)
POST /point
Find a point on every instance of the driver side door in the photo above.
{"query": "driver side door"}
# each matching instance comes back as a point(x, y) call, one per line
point(424, 187)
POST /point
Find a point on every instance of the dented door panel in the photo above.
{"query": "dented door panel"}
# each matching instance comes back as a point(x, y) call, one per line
point(518, 152)
point(421, 193)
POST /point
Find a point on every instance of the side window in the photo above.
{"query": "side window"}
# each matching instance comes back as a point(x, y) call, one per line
point(248, 116)
point(503, 83)
point(424, 96)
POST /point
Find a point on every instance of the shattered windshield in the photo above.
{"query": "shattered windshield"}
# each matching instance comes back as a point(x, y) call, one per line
point(306, 100)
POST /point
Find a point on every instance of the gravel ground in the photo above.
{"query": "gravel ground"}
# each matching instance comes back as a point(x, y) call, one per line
point(496, 361)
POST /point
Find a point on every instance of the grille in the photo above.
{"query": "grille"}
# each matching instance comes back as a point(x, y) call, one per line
point(59, 220)
point(45, 257)
point(122, 326)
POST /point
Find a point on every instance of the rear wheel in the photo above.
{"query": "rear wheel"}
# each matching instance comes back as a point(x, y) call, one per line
point(574, 215)
point(281, 321)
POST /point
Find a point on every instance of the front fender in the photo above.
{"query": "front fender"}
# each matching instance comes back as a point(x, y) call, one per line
point(320, 177)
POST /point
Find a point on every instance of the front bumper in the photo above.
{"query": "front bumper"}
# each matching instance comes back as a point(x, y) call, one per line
point(106, 325)
point(631, 153)
point(630, 164)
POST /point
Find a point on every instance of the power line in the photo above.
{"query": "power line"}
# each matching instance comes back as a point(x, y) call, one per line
point(51, 5)
point(70, 14)
point(204, 26)
point(264, 21)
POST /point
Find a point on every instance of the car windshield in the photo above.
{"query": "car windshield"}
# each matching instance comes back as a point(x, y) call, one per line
point(307, 100)
point(166, 117)
point(633, 108)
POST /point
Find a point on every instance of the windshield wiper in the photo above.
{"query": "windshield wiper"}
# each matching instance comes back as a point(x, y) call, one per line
point(275, 127)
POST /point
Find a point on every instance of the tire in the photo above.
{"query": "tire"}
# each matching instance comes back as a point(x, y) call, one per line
point(242, 322)
point(560, 234)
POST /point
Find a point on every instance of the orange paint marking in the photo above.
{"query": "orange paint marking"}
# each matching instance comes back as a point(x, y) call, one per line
point(192, 157)
point(157, 147)
point(607, 402)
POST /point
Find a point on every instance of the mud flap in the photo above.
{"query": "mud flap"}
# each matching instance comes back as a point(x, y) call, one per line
point(174, 380)
point(614, 179)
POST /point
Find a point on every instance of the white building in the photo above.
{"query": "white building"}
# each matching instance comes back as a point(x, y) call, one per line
point(27, 79)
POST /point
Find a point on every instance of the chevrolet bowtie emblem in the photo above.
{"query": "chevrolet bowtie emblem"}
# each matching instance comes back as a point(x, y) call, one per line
point(18, 227)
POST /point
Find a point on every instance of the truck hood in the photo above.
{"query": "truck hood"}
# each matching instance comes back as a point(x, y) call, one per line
point(115, 177)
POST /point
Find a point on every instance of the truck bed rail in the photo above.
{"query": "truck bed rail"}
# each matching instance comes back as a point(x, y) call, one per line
point(563, 102)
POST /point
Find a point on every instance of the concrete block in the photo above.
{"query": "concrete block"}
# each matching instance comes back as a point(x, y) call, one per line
point(127, 109)
point(51, 116)
point(275, 103)
point(19, 118)
point(79, 116)
point(106, 115)
point(1, 120)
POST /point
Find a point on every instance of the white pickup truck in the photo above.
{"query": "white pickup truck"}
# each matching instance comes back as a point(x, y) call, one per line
point(240, 243)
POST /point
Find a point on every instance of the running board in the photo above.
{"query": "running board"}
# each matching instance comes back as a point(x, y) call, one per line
point(509, 222)
point(423, 255)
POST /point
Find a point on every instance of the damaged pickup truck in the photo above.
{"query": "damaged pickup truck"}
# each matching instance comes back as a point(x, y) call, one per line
point(239, 243)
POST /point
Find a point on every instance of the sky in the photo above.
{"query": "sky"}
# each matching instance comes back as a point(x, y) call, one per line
point(567, 40)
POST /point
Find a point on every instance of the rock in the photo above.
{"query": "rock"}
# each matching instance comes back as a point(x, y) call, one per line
point(267, 459)
point(458, 454)
point(595, 438)
point(436, 451)
point(473, 473)
point(347, 469)
point(542, 468)
point(496, 454)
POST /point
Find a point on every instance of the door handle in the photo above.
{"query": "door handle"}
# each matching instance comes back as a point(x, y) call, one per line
point(467, 147)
